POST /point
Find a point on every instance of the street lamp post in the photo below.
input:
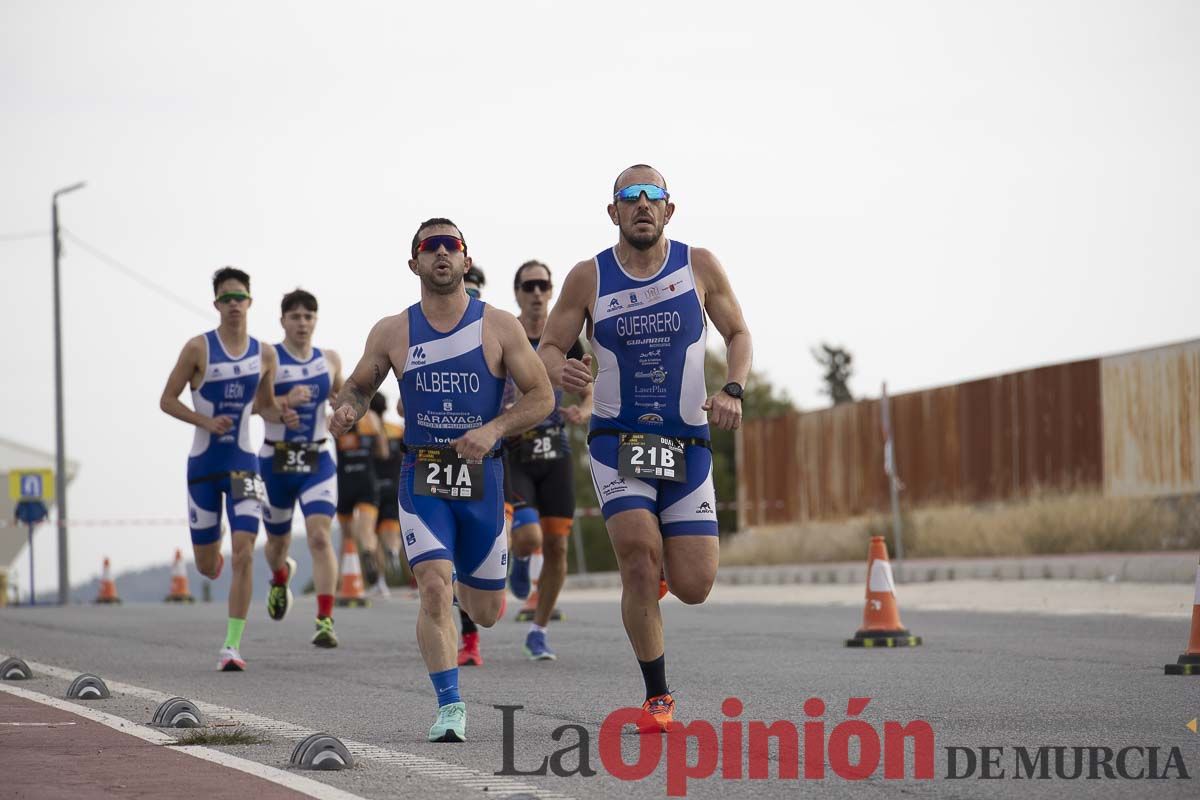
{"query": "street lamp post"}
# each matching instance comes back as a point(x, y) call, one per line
point(60, 458)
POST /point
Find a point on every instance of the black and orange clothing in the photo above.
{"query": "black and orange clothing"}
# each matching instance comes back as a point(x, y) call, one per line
point(357, 480)
point(387, 478)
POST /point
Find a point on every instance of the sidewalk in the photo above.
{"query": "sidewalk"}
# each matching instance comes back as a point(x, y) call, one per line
point(1156, 567)
point(48, 752)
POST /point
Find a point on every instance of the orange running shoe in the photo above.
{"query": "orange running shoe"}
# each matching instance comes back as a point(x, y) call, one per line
point(468, 652)
point(657, 714)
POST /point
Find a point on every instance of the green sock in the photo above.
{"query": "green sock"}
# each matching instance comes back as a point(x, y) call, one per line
point(233, 632)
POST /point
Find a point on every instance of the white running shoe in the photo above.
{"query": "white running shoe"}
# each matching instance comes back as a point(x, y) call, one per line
point(231, 660)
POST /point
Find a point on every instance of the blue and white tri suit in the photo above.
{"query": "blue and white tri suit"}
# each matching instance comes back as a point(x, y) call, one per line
point(227, 389)
point(316, 490)
point(648, 336)
point(448, 389)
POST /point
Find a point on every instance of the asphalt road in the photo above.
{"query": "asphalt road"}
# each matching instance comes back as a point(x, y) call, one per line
point(980, 679)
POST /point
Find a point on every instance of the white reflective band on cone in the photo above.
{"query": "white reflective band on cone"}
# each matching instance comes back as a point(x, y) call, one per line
point(881, 577)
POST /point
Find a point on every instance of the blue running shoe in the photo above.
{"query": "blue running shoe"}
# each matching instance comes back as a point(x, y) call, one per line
point(518, 579)
point(537, 649)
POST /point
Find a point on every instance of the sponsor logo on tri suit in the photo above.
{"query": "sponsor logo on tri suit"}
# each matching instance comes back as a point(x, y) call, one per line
point(651, 358)
point(615, 305)
point(234, 391)
point(657, 406)
point(417, 356)
point(410, 537)
point(705, 508)
point(448, 382)
point(613, 487)
point(659, 341)
point(452, 420)
point(633, 298)
point(504, 559)
point(658, 374)
point(650, 419)
point(642, 324)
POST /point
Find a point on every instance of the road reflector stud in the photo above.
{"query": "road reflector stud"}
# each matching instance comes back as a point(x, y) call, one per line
point(14, 669)
point(178, 712)
point(321, 751)
point(88, 687)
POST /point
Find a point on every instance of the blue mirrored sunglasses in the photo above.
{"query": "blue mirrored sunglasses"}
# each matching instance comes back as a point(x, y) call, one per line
point(630, 194)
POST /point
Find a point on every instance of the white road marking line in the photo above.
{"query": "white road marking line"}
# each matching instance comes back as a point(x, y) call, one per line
point(497, 786)
point(298, 783)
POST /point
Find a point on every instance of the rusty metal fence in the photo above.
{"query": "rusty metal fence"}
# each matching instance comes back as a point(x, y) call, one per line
point(1127, 424)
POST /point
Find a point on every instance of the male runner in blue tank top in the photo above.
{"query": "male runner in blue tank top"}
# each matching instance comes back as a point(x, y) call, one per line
point(226, 388)
point(644, 302)
point(297, 466)
point(451, 354)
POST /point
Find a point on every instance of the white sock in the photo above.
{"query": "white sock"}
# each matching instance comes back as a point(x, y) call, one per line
point(534, 627)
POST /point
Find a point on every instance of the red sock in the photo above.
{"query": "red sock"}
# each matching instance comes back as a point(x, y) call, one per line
point(280, 576)
point(324, 605)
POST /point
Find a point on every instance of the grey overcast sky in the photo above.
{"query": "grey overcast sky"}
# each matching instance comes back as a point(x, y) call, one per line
point(949, 189)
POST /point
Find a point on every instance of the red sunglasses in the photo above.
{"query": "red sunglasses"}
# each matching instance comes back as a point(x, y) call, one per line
point(431, 243)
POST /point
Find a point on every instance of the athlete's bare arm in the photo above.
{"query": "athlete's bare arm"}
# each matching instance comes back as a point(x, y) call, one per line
point(187, 370)
point(581, 412)
point(536, 397)
point(563, 327)
point(726, 314)
point(336, 379)
point(389, 335)
point(266, 404)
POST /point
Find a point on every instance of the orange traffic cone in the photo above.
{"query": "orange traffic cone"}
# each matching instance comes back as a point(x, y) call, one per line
point(350, 589)
point(108, 587)
point(179, 593)
point(1189, 662)
point(881, 616)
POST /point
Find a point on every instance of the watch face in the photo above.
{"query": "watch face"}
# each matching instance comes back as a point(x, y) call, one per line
point(733, 390)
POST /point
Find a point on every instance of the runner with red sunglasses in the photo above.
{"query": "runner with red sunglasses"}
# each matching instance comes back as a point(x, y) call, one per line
point(451, 354)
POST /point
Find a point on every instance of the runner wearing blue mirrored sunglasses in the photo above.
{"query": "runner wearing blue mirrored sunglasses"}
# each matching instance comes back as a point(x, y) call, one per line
point(631, 193)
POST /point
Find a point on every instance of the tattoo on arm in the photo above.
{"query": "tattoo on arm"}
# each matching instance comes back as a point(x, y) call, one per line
point(355, 397)
point(377, 377)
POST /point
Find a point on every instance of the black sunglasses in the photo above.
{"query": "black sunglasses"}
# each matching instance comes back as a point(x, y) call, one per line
point(535, 283)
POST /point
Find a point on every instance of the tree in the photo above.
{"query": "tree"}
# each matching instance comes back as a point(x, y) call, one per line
point(836, 361)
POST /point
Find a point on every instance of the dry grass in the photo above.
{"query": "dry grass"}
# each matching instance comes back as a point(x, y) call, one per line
point(1072, 523)
point(204, 736)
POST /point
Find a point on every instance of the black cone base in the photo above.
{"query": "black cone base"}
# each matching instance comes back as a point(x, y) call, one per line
point(1187, 665)
point(896, 638)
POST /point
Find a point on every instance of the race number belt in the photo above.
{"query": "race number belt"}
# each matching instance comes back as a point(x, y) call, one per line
point(648, 455)
point(541, 444)
point(246, 485)
point(442, 472)
point(296, 458)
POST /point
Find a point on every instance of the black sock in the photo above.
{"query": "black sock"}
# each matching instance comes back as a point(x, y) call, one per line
point(468, 625)
point(654, 673)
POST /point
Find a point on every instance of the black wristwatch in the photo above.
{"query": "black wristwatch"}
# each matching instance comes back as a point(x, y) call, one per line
point(733, 389)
